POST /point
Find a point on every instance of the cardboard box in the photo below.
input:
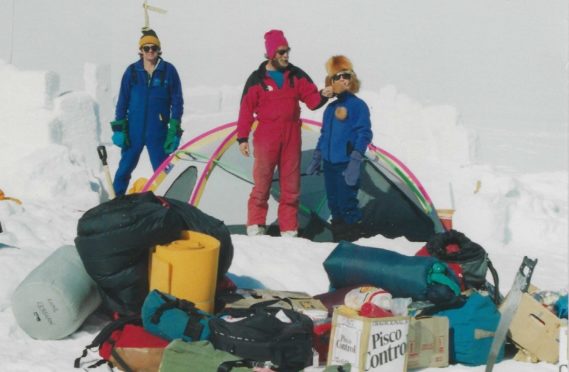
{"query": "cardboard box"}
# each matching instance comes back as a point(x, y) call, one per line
point(536, 329)
point(428, 342)
point(300, 300)
point(368, 344)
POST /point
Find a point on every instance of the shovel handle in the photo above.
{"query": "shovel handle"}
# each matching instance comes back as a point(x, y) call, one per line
point(102, 151)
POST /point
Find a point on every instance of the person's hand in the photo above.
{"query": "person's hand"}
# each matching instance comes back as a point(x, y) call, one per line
point(173, 136)
point(120, 133)
point(352, 172)
point(314, 165)
point(244, 148)
point(327, 92)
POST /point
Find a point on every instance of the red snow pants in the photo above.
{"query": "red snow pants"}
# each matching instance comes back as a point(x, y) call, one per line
point(276, 145)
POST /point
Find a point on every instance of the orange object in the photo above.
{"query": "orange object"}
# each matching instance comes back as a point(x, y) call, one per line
point(445, 215)
point(4, 197)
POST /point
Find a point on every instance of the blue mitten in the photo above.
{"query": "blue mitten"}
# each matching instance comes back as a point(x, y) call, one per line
point(173, 136)
point(314, 165)
point(352, 172)
point(120, 133)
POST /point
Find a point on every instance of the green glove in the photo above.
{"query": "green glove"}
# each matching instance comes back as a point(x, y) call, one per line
point(120, 133)
point(173, 136)
point(437, 275)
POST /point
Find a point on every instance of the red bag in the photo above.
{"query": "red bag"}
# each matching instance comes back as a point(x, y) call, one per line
point(125, 344)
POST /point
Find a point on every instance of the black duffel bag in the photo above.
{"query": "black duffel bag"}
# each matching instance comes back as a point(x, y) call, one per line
point(261, 333)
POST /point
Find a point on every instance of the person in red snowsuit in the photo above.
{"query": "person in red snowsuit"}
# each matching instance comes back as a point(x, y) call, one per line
point(271, 96)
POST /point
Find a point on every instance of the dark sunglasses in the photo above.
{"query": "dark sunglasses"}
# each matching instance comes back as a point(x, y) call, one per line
point(153, 48)
point(280, 52)
point(342, 75)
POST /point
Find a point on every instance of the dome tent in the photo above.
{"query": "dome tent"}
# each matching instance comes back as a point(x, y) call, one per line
point(210, 173)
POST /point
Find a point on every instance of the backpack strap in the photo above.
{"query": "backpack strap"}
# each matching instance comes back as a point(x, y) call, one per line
point(193, 328)
point(119, 360)
point(104, 336)
point(133, 75)
point(163, 73)
point(496, 281)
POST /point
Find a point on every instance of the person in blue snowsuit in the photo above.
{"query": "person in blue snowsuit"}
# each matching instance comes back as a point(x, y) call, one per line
point(148, 112)
point(344, 138)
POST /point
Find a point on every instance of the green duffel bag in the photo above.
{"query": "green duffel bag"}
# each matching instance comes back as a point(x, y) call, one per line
point(200, 356)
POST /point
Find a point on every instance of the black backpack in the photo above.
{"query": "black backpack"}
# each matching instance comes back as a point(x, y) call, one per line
point(258, 334)
point(472, 258)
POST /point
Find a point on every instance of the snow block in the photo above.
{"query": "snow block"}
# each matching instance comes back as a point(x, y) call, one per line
point(56, 297)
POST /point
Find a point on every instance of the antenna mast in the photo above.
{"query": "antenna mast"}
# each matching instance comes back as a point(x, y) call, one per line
point(152, 9)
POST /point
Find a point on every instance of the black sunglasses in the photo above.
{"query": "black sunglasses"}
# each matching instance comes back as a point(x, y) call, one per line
point(280, 52)
point(153, 48)
point(342, 75)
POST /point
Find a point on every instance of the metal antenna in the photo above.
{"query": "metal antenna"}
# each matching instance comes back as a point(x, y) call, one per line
point(153, 9)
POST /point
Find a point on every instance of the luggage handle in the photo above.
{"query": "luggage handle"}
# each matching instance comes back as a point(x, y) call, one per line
point(227, 366)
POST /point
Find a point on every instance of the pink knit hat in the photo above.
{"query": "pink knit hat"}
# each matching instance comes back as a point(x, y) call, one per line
point(273, 40)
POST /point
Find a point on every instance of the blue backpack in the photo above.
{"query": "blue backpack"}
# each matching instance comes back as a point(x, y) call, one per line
point(472, 329)
point(171, 318)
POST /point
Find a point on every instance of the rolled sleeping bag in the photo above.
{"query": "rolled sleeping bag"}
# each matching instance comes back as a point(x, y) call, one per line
point(187, 269)
point(56, 297)
point(402, 276)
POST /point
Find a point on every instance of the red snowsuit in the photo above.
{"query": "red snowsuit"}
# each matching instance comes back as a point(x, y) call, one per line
point(277, 139)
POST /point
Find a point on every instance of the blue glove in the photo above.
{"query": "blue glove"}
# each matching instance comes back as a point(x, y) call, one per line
point(314, 165)
point(173, 136)
point(120, 133)
point(352, 172)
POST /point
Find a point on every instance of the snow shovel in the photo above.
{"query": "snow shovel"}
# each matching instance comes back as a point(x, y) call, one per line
point(102, 150)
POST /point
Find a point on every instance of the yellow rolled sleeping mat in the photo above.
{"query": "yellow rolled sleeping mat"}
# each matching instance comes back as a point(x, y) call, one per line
point(187, 268)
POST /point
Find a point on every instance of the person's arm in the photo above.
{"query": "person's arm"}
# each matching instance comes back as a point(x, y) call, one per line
point(362, 127)
point(124, 94)
point(249, 101)
point(308, 91)
point(176, 95)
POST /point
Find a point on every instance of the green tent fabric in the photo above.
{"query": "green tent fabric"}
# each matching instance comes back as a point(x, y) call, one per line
point(209, 172)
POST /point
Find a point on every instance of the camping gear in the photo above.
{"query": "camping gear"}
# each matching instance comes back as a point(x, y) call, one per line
point(56, 297)
point(102, 151)
point(428, 342)
point(536, 330)
point(262, 333)
point(169, 317)
point(393, 201)
point(125, 344)
point(455, 248)
point(187, 269)
point(472, 330)
point(368, 294)
point(114, 241)
point(245, 298)
point(402, 276)
point(509, 308)
point(182, 356)
point(368, 344)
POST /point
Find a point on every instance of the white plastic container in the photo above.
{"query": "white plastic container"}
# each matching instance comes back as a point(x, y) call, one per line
point(377, 296)
point(56, 297)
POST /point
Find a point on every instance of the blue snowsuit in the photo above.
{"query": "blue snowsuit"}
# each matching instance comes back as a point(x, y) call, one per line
point(338, 138)
point(148, 103)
